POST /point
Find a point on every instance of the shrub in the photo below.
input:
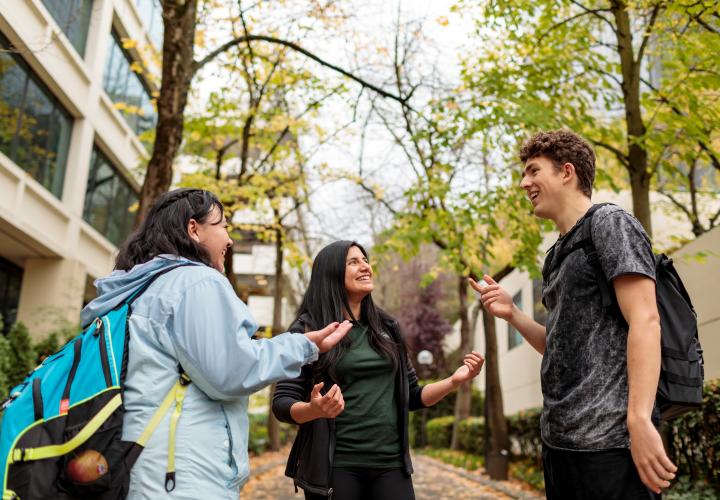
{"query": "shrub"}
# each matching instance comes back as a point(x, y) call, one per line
point(694, 439)
point(524, 431)
point(686, 489)
point(22, 352)
point(19, 355)
point(444, 407)
point(439, 431)
point(258, 441)
point(471, 435)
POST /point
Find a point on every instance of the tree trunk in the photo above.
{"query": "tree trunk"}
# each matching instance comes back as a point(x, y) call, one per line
point(277, 328)
point(177, 72)
point(637, 153)
point(497, 443)
point(464, 394)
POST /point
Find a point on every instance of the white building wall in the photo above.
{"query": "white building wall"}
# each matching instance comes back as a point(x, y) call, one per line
point(45, 235)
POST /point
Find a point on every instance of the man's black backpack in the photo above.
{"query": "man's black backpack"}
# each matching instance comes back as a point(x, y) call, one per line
point(680, 388)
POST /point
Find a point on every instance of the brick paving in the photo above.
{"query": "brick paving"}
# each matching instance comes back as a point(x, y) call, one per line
point(433, 480)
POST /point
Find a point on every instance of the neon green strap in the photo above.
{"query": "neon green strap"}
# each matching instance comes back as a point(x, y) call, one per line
point(55, 450)
point(157, 417)
point(179, 397)
point(9, 495)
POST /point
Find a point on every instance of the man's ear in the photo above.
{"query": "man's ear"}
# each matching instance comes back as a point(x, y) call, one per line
point(192, 230)
point(568, 172)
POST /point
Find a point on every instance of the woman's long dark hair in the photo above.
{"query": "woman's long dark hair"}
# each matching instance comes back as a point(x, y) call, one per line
point(164, 230)
point(326, 301)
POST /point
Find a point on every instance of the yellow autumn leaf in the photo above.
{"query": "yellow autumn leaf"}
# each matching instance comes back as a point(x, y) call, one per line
point(128, 43)
point(136, 67)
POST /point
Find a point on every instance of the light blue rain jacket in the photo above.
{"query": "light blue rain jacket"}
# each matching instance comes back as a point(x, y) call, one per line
point(192, 316)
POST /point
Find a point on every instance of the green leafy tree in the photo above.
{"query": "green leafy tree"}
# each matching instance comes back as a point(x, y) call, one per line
point(458, 202)
point(180, 64)
point(639, 79)
point(246, 146)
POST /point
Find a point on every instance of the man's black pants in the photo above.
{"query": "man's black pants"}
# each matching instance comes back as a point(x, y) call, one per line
point(593, 475)
point(356, 483)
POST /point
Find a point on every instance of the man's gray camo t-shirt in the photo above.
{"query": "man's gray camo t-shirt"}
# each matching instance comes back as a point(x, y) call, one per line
point(584, 368)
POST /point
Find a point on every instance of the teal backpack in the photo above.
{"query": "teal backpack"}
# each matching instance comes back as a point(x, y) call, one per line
point(61, 434)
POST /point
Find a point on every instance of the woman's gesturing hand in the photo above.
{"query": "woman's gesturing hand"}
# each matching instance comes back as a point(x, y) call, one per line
point(326, 338)
point(328, 406)
point(472, 363)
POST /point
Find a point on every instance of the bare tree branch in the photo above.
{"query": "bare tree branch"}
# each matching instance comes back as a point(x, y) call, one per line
point(648, 32)
point(197, 65)
point(597, 13)
point(622, 157)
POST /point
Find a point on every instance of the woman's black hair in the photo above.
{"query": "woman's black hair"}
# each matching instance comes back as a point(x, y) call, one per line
point(164, 230)
point(326, 301)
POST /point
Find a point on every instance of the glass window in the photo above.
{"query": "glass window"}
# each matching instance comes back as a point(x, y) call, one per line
point(108, 200)
point(73, 18)
point(35, 131)
point(539, 311)
point(127, 89)
point(151, 13)
point(10, 280)
point(514, 337)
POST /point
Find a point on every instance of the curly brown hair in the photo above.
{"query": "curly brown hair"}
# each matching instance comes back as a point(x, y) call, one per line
point(560, 147)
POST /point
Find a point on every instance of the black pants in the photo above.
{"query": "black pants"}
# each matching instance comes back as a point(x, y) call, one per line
point(355, 483)
point(598, 475)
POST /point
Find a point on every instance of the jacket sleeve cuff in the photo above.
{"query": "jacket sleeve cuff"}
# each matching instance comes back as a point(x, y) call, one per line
point(311, 350)
point(416, 402)
point(281, 409)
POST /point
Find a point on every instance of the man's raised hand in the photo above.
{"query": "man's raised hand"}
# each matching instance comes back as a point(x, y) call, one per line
point(326, 338)
point(494, 298)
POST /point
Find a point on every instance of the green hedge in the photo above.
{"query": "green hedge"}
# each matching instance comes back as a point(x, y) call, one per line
point(471, 435)
point(524, 431)
point(693, 442)
point(694, 439)
point(446, 406)
point(471, 432)
point(439, 431)
point(258, 436)
point(19, 355)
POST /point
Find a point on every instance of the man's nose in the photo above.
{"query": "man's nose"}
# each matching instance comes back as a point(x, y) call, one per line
point(524, 182)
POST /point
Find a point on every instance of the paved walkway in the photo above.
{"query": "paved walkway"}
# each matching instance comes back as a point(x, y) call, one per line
point(433, 480)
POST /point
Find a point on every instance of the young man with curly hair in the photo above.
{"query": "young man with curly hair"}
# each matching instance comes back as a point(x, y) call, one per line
point(600, 366)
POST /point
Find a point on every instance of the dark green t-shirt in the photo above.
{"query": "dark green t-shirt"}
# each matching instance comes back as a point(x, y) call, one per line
point(366, 432)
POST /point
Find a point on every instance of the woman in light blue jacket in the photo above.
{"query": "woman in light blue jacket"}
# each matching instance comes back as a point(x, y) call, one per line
point(190, 319)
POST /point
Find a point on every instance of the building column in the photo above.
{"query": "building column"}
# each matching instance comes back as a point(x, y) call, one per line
point(51, 295)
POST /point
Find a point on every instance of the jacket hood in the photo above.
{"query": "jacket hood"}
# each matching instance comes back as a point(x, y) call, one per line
point(119, 285)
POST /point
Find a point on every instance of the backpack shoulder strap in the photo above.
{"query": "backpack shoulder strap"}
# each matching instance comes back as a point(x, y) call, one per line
point(584, 242)
point(592, 256)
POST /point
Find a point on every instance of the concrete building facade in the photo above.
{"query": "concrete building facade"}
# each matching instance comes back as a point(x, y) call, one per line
point(75, 98)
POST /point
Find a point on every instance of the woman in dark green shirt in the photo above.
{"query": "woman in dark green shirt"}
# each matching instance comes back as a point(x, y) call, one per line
point(352, 404)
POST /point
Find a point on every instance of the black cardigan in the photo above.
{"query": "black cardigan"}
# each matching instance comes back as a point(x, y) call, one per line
point(311, 459)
